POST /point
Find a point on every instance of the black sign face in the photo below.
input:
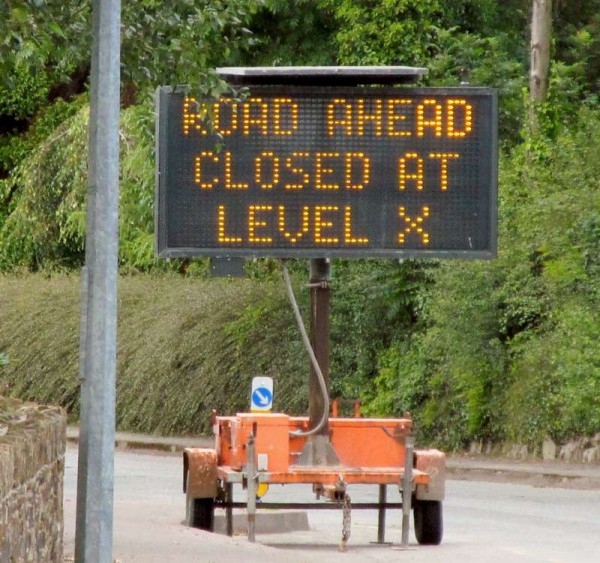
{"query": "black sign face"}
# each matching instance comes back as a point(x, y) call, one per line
point(365, 172)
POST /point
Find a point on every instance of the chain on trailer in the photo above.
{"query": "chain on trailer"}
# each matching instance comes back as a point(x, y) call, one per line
point(346, 522)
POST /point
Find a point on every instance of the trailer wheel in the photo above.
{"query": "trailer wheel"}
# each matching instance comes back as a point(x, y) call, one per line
point(200, 513)
point(429, 525)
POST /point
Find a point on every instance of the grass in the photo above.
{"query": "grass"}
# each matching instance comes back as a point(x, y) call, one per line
point(185, 347)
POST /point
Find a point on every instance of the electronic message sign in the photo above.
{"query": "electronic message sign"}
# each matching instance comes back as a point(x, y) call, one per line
point(322, 172)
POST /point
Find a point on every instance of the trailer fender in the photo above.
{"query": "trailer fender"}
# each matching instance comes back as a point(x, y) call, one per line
point(200, 472)
point(432, 462)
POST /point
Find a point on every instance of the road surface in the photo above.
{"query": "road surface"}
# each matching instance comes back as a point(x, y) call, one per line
point(484, 522)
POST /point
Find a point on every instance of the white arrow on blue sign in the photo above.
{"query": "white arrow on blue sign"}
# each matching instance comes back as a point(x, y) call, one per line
point(261, 398)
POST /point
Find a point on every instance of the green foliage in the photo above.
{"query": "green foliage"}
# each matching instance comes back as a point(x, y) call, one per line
point(556, 183)
point(44, 44)
point(488, 17)
point(291, 33)
point(577, 39)
point(14, 148)
point(184, 348)
point(181, 41)
point(43, 37)
point(373, 303)
point(509, 347)
point(401, 32)
point(25, 96)
point(484, 61)
point(136, 202)
point(448, 375)
point(46, 228)
point(170, 42)
point(45, 53)
point(557, 378)
point(39, 228)
point(18, 104)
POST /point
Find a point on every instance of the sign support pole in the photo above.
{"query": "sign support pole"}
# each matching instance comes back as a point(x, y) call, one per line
point(95, 480)
point(318, 451)
point(320, 306)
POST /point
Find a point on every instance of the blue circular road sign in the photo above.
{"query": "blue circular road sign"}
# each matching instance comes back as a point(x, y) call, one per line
point(262, 398)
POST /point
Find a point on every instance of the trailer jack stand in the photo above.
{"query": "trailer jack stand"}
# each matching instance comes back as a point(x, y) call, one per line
point(318, 452)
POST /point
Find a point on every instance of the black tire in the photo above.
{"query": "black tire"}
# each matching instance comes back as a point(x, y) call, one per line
point(429, 522)
point(200, 513)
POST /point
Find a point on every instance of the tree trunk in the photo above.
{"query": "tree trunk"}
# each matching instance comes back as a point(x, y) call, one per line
point(541, 30)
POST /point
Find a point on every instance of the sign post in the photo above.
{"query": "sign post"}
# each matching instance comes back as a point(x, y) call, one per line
point(95, 478)
point(320, 307)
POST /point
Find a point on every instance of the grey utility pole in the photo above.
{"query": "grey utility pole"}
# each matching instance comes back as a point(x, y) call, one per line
point(95, 484)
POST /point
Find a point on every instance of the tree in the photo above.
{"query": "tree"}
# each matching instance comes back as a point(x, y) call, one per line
point(400, 32)
point(541, 31)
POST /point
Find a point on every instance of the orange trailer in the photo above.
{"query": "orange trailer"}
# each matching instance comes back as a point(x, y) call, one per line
point(255, 448)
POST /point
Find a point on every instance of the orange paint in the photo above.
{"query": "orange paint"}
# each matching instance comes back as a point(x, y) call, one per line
point(371, 450)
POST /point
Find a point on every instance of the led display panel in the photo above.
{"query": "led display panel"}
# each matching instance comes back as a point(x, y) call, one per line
point(325, 172)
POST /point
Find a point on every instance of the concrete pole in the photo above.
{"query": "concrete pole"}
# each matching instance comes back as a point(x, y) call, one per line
point(94, 526)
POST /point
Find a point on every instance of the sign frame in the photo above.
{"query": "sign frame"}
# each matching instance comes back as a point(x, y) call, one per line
point(163, 250)
point(261, 383)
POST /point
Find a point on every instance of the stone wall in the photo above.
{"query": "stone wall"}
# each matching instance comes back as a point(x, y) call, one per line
point(580, 450)
point(32, 450)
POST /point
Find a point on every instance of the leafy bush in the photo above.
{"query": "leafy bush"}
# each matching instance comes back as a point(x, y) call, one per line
point(374, 304)
point(46, 228)
point(290, 33)
point(185, 347)
point(508, 349)
point(14, 148)
point(401, 32)
point(41, 227)
point(485, 61)
point(25, 95)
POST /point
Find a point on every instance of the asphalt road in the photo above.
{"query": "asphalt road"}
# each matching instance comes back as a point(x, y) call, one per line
point(484, 522)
